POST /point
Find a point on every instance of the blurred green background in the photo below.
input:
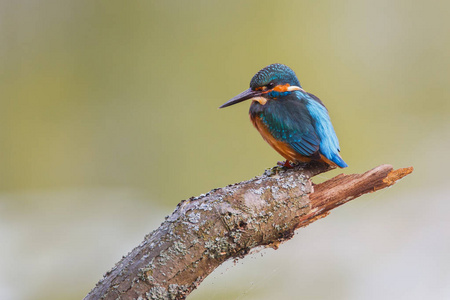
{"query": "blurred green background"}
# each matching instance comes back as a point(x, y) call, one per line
point(109, 118)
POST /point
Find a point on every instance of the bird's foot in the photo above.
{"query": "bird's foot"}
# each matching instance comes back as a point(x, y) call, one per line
point(285, 164)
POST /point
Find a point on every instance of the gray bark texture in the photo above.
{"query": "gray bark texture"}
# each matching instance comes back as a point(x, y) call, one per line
point(227, 223)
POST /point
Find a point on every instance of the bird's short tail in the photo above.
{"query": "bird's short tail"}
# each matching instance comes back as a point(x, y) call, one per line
point(337, 159)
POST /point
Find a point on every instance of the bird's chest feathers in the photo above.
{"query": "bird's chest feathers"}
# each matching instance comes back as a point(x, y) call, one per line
point(280, 146)
point(270, 121)
point(258, 115)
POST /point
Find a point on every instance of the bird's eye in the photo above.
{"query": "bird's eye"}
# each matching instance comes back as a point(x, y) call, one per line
point(270, 85)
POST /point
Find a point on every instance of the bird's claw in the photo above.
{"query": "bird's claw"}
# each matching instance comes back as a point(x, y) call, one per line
point(285, 164)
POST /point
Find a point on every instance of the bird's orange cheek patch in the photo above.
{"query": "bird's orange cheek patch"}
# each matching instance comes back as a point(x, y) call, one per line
point(281, 88)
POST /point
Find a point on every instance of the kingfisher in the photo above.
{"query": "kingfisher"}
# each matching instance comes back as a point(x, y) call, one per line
point(294, 122)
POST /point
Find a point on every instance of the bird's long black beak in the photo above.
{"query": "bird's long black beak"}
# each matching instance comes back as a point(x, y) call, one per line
point(245, 95)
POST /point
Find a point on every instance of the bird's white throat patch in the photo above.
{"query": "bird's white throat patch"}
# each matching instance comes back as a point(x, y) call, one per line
point(260, 100)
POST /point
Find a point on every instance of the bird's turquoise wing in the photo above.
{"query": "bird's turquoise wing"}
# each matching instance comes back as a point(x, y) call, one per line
point(329, 144)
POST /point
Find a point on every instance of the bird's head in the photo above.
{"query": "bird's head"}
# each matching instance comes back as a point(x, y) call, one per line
point(270, 83)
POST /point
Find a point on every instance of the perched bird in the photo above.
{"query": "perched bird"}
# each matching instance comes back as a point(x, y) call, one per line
point(295, 123)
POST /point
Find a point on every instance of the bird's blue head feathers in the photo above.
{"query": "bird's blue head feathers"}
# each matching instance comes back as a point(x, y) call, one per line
point(274, 75)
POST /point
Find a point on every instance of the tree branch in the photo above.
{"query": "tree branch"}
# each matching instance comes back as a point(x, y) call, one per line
point(205, 231)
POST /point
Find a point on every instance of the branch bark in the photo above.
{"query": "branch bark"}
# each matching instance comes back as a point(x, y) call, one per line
point(225, 223)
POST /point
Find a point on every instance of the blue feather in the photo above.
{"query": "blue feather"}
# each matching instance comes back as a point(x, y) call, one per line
point(329, 144)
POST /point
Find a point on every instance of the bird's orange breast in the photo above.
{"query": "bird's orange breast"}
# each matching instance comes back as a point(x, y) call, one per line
point(281, 147)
